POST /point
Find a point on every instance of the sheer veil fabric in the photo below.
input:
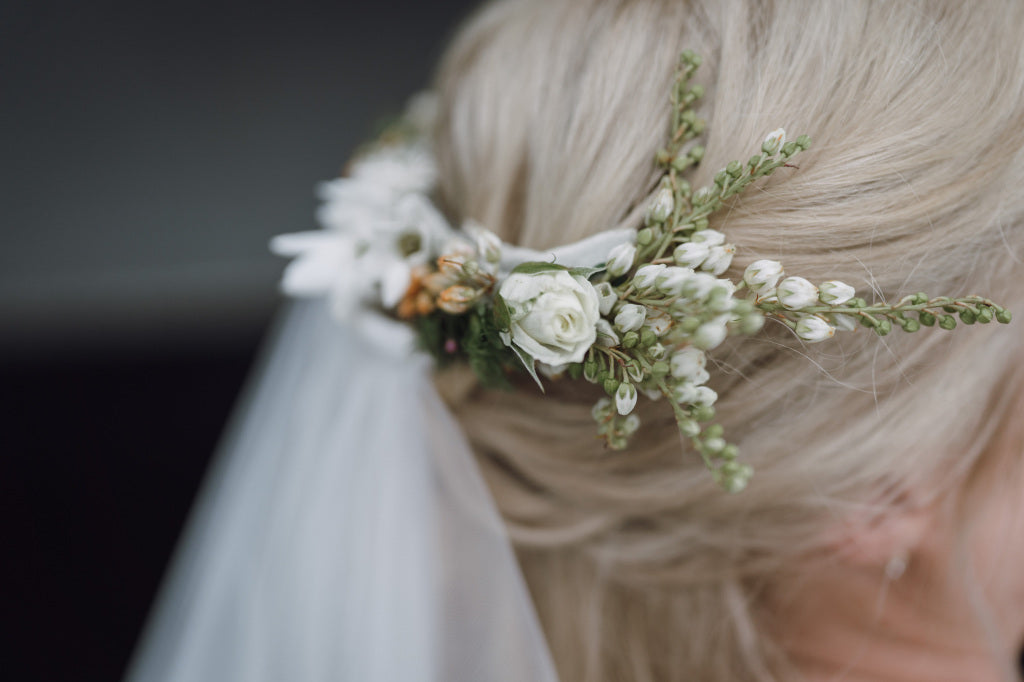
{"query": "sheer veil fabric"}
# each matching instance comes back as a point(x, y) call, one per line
point(344, 533)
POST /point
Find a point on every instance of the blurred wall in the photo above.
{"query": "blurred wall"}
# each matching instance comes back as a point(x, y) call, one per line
point(149, 151)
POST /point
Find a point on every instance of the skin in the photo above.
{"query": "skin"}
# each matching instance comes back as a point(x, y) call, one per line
point(955, 615)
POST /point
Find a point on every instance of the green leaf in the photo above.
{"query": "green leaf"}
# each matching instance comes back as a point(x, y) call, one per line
point(529, 363)
point(533, 268)
point(586, 273)
point(502, 318)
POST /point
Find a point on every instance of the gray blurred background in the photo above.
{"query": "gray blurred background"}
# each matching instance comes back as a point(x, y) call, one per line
point(149, 151)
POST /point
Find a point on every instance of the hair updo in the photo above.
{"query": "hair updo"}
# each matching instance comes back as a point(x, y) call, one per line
point(551, 114)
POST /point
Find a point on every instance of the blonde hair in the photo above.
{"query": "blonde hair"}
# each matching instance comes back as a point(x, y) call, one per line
point(551, 115)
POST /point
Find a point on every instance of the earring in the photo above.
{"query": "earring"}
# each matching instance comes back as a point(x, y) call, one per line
point(897, 566)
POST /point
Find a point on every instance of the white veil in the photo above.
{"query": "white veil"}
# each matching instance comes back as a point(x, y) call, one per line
point(344, 534)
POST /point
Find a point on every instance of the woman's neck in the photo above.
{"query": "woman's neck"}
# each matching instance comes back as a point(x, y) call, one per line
point(852, 624)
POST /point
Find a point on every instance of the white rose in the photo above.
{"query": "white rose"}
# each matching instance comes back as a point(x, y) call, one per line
point(552, 315)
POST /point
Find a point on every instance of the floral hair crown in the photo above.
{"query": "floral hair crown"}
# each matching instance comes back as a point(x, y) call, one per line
point(633, 311)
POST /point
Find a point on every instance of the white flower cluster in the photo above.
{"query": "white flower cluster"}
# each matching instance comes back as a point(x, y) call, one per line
point(378, 224)
point(796, 295)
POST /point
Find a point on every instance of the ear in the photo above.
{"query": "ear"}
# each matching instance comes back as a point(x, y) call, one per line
point(874, 537)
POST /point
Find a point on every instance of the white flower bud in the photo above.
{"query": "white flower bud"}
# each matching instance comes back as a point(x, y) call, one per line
point(690, 254)
point(699, 286)
point(647, 275)
point(488, 245)
point(606, 297)
point(620, 259)
point(686, 362)
point(773, 143)
point(761, 276)
point(656, 351)
point(796, 293)
point(835, 292)
point(662, 204)
point(670, 282)
point(716, 444)
point(705, 396)
point(719, 259)
point(812, 329)
point(630, 424)
point(658, 322)
point(625, 398)
point(751, 323)
point(708, 237)
point(685, 393)
point(631, 317)
point(606, 336)
point(602, 409)
point(846, 323)
point(651, 394)
point(710, 334)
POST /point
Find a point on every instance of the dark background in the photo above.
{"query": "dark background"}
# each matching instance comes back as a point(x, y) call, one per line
point(147, 154)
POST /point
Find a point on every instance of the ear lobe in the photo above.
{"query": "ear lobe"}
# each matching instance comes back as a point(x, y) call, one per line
point(874, 538)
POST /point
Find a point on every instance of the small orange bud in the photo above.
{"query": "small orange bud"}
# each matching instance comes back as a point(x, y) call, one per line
point(457, 299)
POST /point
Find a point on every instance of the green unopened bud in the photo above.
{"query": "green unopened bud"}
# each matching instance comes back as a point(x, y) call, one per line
point(714, 431)
point(926, 318)
point(645, 236)
point(659, 369)
point(751, 323)
point(575, 370)
point(968, 316)
point(696, 153)
point(630, 340)
point(947, 322)
point(590, 369)
point(755, 160)
point(789, 149)
point(647, 337)
point(680, 163)
point(700, 224)
point(734, 169)
point(720, 178)
point(985, 315)
point(911, 325)
point(663, 157)
point(1003, 316)
point(689, 427)
point(883, 327)
point(689, 324)
point(611, 384)
point(601, 376)
point(703, 413)
point(804, 142)
point(729, 452)
point(697, 90)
